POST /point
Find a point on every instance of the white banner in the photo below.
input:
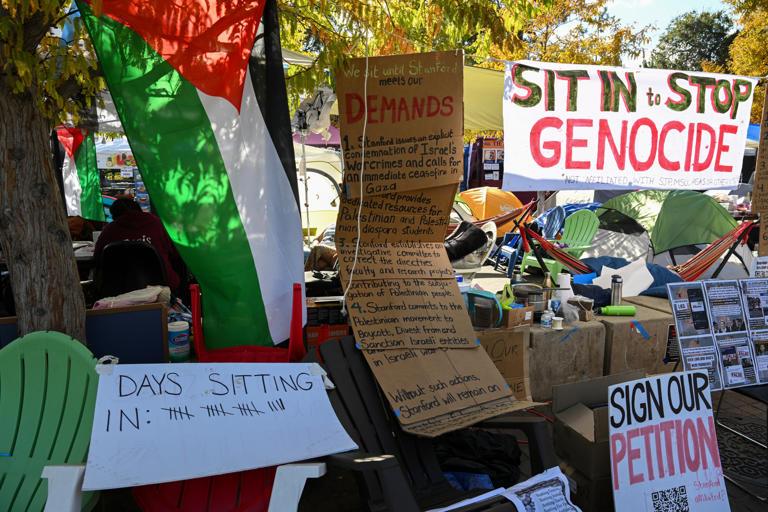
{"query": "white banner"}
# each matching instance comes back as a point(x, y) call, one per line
point(569, 127)
point(159, 423)
point(663, 445)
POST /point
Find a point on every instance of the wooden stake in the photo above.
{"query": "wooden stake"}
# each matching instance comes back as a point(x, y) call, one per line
point(760, 189)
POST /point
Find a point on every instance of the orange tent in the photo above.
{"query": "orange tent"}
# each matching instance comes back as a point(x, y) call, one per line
point(487, 202)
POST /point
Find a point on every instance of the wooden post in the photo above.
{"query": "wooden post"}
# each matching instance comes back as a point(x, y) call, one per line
point(760, 188)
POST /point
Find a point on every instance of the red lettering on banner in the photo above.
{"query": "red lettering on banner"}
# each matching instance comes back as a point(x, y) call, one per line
point(639, 165)
point(680, 446)
point(696, 449)
point(619, 152)
point(646, 431)
point(644, 143)
point(666, 163)
point(537, 146)
point(634, 454)
point(354, 103)
point(698, 165)
point(707, 435)
point(528, 90)
point(384, 109)
point(723, 147)
point(572, 142)
point(657, 443)
point(666, 428)
point(692, 457)
point(447, 109)
point(618, 452)
point(689, 147)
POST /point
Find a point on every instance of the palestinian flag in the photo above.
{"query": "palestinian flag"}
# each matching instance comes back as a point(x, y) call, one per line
point(80, 173)
point(178, 72)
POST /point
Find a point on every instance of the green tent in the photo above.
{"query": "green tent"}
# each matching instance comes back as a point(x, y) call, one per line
point(674, 218)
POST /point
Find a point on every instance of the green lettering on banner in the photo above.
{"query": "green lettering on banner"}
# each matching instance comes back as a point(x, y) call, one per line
point(685, 97)
point(607, 91)
point(549, 97)
point(702, 83)
point(621, 90)
point(725, 106)
point(738, 96)
point(573, 76)
point(534, 95)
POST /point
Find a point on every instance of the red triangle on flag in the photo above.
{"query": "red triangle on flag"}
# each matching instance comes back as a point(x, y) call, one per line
point(208, 42)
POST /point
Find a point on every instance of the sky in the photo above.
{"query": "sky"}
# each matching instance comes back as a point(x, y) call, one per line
point(658, 13)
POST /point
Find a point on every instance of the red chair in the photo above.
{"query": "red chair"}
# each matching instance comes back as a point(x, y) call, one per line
point(247, 491)
point(250, 353)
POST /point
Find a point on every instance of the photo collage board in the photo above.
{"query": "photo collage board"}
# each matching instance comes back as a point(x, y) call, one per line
point(722, 328)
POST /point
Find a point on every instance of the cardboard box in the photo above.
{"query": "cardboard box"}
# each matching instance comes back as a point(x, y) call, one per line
point(589, 495)
point(517, 316)
point(637, 342)
point(574, 354)
point(656, 303)
point(508, 349)
point(581, 423)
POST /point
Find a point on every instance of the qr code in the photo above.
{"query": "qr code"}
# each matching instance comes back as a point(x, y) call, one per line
point(671, 500)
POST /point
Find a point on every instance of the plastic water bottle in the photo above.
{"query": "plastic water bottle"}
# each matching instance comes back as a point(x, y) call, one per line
point(464, 289)
point(178, 341)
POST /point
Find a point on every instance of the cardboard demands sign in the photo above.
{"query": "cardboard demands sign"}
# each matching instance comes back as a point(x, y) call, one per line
point(596, 127)
point(663, 445)
point(157, 423)
point(401, 129)
point(410, 108)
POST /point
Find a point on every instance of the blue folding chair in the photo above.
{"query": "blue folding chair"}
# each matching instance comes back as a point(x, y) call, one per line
point(553, 223)
point(508, 251)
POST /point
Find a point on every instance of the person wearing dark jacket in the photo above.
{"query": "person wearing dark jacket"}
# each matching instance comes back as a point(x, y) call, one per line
point(129, 222)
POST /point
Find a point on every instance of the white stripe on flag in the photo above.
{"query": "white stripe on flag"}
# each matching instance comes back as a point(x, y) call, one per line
point(264, 198)
point(72, 188)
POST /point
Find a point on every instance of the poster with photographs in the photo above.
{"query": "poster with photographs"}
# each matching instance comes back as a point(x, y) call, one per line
point(754, 293)
point(694, 330)
point(730, 330)
point(723, 329)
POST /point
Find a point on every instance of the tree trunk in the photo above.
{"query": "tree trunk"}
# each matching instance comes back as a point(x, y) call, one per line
point(34, 236)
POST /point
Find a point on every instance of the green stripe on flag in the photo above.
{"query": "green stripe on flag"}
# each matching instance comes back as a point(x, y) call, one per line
point(91, 206)
point(176, 151)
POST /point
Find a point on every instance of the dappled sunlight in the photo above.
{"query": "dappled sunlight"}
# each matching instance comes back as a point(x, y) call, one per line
point(207, 41)
point(180, 147)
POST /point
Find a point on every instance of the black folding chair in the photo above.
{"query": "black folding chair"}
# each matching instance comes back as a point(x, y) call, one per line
point(127, 266)
point(398, 471)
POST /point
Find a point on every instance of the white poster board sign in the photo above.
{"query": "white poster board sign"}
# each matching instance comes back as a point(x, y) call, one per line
point(570, 127)
point(165, 422)
point(546, 492)
point(663, 445)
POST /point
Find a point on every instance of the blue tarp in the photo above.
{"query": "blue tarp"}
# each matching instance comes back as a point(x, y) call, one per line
point(570, 209)
point(602, 297)
point(753, 132)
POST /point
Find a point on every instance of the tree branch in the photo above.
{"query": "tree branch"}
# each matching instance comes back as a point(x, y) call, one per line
point(37, 26)
point(62, 18)
point(34, 30)
point(69, 89)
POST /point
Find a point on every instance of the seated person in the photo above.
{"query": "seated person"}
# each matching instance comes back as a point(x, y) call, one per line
point(80, 229)
point(323, 254)
point(129, 222)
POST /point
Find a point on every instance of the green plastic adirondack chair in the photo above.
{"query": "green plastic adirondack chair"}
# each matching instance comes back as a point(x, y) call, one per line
point(578, 233)
point(47, 397)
